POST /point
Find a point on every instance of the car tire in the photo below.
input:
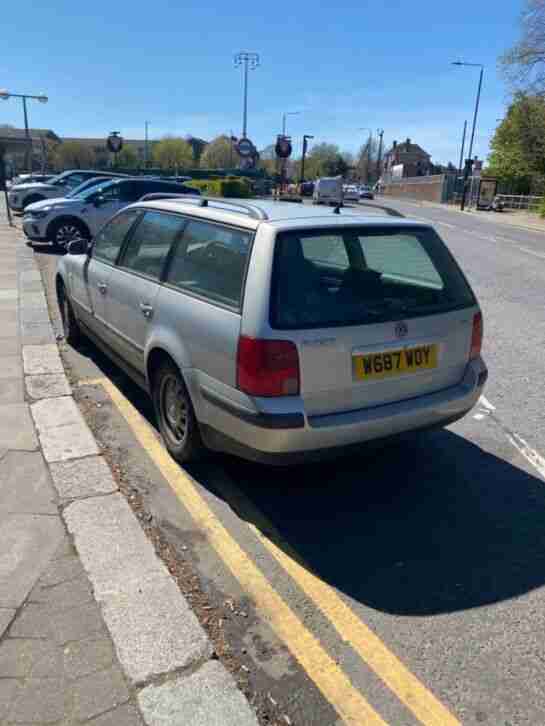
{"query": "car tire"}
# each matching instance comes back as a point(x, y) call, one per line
point(31, 199)
point(63, 231)
point(175, 415)
point(70, 327)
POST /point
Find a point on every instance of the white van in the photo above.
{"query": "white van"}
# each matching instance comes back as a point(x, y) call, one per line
point(328, 190)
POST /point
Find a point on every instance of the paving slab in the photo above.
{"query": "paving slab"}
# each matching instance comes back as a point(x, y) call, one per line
point(38, 701)
point(50, 385)
point(39, 334)
point(9, 293)
point(126, 715)
point(11, 390)
point(208, 697)
point(40, 359)
point(152, 626)
point(33, 300)
point(10, 346)
point(6, 616)
point(68, 442)
point(9, 688)
point(8, 315)
point(25, 485)
point(82, 478)
point(27, 543)
point(10, 366)
point(16, 428)
point(34, 315)
point(88, 656)
point(31, 275)
point(99, 692)
point(62, 429)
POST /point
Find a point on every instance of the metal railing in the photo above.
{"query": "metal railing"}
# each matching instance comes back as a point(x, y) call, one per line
point(520, 201)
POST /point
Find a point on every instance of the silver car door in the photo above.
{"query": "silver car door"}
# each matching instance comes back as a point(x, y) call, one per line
point(97, 271)
point(134, 284)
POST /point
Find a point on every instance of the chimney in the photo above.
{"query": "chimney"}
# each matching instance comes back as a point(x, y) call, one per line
point(408, 142)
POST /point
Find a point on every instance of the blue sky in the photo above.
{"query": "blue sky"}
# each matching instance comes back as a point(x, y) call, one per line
point(112, 65)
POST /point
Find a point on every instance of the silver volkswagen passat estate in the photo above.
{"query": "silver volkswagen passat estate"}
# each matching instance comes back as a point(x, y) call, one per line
point(276, 331)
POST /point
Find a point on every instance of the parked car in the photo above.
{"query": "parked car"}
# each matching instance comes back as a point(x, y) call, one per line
point(306, 189)
point(279, 333)
point(351, 193)
point(30, 179)
point(22, 195)
point(82, 215)
point(328, 190)
point(366, 192)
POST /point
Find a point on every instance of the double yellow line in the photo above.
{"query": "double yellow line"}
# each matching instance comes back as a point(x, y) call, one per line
point(336, 687)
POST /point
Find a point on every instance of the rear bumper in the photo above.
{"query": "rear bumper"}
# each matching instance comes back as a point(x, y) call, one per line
point(291, 437)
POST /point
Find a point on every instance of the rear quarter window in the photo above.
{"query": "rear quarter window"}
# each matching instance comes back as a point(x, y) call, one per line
point(210, 261)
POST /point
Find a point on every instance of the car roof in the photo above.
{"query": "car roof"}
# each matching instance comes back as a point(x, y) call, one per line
point(281, 215)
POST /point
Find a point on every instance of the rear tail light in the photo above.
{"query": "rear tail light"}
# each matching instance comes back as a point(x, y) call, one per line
point(476, 336)
point(267, 367)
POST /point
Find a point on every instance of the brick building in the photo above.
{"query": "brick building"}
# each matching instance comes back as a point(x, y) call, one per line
point(416, 161)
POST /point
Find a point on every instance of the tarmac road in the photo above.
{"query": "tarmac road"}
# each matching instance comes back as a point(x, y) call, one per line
point(404, 586)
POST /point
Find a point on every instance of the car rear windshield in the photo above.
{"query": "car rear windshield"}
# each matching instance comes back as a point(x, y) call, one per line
point(362, 275)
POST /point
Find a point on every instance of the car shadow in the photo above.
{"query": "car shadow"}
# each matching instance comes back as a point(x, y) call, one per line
point(431, 523)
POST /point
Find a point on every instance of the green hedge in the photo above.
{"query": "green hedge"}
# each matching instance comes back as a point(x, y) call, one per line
point(233, 187)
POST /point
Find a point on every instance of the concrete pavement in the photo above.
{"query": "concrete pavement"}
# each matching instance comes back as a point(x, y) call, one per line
point(92, 626)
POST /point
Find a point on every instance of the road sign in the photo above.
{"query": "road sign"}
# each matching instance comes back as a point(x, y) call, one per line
point(114, 142)
point(283, 147)
point(245, 148)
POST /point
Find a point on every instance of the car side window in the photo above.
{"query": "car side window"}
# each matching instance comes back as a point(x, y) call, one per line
point(210, 261)
point(109, 240)
point(150, 243)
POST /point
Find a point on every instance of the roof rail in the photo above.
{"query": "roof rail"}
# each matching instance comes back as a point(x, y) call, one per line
point(166, 195)
point(252, 210)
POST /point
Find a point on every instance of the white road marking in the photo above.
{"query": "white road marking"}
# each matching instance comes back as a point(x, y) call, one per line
point(486, 403)
point(532, 252)
point(531, 455)
point(446, 224)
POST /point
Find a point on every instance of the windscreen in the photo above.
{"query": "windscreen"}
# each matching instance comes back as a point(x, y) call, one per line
point(362, 275)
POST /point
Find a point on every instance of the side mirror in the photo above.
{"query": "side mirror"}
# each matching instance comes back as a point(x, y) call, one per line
point(78, 246)
point(99, 201)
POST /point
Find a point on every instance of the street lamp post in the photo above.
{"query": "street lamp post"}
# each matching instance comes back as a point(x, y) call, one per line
point(380, 133)
point(476, 111)
point(4, 95)
point(306, 138)
point(284, 115)
point(245, 59)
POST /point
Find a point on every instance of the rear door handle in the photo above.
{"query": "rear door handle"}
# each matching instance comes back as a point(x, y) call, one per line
point(147, 309)
point(103, 287)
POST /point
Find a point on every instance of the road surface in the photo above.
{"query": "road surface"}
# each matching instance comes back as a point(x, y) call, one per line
point(404, 586)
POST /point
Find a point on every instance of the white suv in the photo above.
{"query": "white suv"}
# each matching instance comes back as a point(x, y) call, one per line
point(277, 331)
point(82, 215)
point(21, 195)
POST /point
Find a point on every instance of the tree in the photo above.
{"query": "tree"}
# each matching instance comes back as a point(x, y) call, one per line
point(524, 64)
point(518, 146)
point(218, 154)
point(173, 154)
point(127, 158)
point(74, 155)
point(366, 163)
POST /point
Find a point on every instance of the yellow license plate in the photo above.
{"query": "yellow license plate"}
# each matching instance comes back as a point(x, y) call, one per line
point(393, 363)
